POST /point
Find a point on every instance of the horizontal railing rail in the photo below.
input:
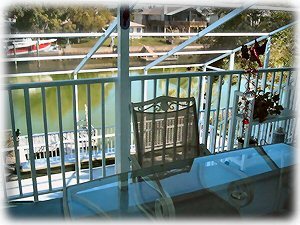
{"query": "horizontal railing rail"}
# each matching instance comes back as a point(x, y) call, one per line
point(58, 102)
point(60, 83)
point(108, 55)
point(148, 34)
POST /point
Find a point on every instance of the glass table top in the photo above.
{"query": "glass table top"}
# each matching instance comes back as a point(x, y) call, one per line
point(238, 183)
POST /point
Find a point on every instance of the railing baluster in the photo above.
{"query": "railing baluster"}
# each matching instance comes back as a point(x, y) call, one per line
point(293, 95)
point(89, 111)
point(15, 141)
point(239, 82)
point(264, 83)
point(189, 87)
point(3, 178)
point(46, 137)
point(175, 130)
point(202, 108)
point(221, 129)
point(154, 88)
point(199, 95)
point(187, 118)
point(207, 108)
point(167, 86)
point(61, 138)
point(288, 122)
point(30, 143)
point(226, 114)
point(142, 141)
point(280, 91)
point(143, 90)
point(153, 125)
point(280, 85)
point(164, 135)
point(165, 125)
point(272, 83)
point(213, 144)
point(103, 129)
point(287, 100)
point(77, 149)
point(270, 126)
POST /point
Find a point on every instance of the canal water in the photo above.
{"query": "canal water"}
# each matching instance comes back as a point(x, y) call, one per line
point(96, 106)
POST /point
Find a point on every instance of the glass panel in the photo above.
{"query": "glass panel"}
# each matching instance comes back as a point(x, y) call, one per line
point(281, 154)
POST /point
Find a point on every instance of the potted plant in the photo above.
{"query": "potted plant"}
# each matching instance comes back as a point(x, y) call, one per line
point(266, 104)
point(252, 142)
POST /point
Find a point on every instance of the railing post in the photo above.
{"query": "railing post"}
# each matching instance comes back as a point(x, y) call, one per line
point(202, 106)
point(231, 130)
point(230, 122)
point(145, 87)
point(30, 144)
point(122, 113)
point(207, 108)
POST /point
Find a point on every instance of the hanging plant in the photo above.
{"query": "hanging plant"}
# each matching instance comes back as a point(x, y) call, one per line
point(266, 104)
point(250, 62)
point(252, 141)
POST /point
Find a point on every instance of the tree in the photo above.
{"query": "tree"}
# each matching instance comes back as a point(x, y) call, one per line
point(257, 21)
point(41, 19)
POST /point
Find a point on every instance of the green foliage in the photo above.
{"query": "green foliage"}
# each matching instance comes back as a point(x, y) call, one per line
point(41, 19)
point(282, 47)
point(266, 104)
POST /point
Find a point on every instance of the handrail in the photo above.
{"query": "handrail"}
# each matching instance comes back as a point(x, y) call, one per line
point(60, 83)
point(108, 55)
point(114, 34)
point(204, 73)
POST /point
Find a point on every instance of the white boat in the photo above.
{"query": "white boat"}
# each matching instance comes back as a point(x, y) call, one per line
point(27, 45)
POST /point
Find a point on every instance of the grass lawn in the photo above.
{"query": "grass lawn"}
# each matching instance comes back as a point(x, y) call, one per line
point(151, 41)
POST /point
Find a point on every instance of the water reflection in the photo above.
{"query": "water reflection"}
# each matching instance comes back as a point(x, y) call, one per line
point(96, 104)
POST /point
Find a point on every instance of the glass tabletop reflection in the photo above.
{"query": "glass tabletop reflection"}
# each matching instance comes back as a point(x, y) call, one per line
point(252, 181)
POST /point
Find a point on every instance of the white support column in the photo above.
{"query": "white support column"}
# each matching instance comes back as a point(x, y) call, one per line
point(75, 77)
point(207, 108)
point(227, 104)
point(145, 87)
point(231, 61)
point(266, 62)
point(123, 98)
point(201, 106)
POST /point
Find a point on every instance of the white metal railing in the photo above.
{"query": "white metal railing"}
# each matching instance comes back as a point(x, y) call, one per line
point(214, 114)
point(115, 34)
point(108, 55)
point(95, 35)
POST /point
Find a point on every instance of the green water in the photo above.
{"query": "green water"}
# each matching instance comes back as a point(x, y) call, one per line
point(96, 104)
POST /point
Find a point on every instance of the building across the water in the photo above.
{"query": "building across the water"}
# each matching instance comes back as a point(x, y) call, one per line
point(171, 19)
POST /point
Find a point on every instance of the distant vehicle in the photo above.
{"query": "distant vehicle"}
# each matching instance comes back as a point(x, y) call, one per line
point(27, 45)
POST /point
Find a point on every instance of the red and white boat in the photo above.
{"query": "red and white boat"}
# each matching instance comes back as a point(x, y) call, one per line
point(27, 45)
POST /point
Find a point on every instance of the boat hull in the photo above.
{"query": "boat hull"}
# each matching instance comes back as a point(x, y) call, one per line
point(20, 48)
